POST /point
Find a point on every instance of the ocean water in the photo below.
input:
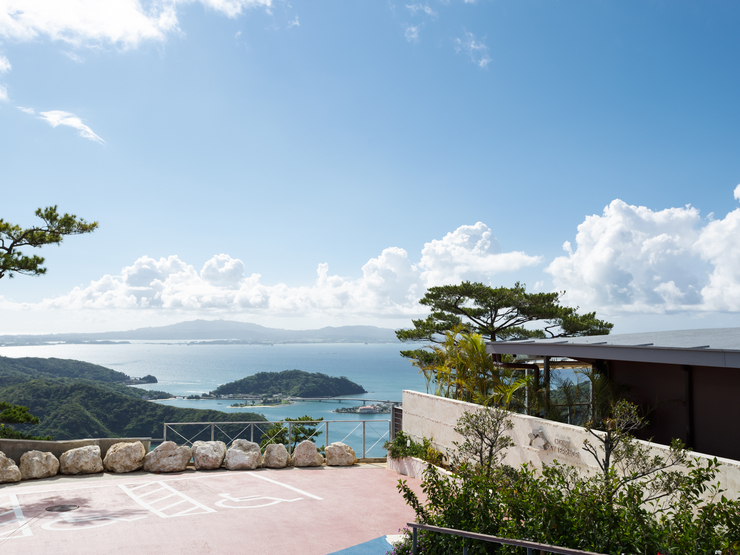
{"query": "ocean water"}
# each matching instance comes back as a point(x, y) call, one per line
point(183, 369)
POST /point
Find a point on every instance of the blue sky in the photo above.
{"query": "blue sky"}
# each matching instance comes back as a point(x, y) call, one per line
point(352, 154)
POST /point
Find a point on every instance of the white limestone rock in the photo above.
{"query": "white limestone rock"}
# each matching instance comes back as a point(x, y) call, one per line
point(208, 455)
point(83, 460)
point(9, 472)
point(124, 457)
point(243, 455)
point(38, 464)
point(167, 457)
point(339, 454)
point(306, 454)
point(276, 456)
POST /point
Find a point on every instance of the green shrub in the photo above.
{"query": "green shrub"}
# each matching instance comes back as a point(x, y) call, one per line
point(403, 446)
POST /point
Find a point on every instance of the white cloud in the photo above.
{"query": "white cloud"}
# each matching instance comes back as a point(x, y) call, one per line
point(469, 253)
point(389, 286)
point(28, 111)
point(3, 93)
point(474, 48)
point(633, 259)
point(414, 8)
point(58, 117)
point(74, 57)
point(294, 23)
point(412, 33)
point(5, 66)
point(124, 23)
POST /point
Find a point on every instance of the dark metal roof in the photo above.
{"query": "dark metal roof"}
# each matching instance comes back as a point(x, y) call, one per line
point(718, 347)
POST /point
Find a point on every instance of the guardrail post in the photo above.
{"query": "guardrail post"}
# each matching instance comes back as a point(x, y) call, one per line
point(165, 432)
point(363, 438)
point(530, 551)
point(326, 438)
point(251, 432)
point(465, 549)
point(289, 426)
point(413, 542)
point(212, 430)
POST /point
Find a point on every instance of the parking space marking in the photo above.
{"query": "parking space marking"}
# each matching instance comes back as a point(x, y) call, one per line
point(193, 507)
point(18, 517)
point(229, 501)
point(257, 475)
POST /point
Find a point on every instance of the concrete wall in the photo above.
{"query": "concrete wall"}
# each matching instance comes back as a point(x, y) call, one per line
point(14, 448)
point(537, 441)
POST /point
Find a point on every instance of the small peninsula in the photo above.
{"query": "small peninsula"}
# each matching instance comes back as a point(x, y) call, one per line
point(290, 383)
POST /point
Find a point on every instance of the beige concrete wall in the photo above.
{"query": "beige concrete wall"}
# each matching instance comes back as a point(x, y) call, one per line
point(536, 440)
point(14, 448)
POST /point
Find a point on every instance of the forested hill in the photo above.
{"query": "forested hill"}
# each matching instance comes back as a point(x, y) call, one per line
point(74, 409)
point(57, 368)
point(294, 383)
point(77, 400)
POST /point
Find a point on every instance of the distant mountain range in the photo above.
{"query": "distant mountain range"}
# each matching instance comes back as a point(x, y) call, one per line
point(216, 331)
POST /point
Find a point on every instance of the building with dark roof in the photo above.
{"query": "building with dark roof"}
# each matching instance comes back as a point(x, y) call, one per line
point(687, 382)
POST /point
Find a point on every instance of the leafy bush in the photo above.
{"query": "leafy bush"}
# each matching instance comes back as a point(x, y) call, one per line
point(403, 446)
point(638, 503)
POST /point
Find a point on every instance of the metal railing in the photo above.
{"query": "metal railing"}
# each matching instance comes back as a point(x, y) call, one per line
point(528, 545)
point(246, 430)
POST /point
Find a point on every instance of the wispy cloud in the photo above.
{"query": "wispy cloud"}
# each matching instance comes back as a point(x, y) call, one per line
point(294, 23)
point(3, 93)
point(74, 57)
point(474, 48)
point(238, 34)
point(416, 8)
point(56, 118)
point(28, 111)
point(5, 66)
point(412, 33)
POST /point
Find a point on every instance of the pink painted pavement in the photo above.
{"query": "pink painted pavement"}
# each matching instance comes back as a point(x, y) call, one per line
point(308, 511)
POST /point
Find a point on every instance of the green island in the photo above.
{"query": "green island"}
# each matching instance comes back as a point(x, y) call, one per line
point(75, 399)
point(289, 383)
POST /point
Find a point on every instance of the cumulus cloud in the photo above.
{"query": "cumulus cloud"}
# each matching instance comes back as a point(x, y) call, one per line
point(390, 284)
point(634, 259)
point(471, 252)
point(124, 23)
point(56, 118)
point(476, 49)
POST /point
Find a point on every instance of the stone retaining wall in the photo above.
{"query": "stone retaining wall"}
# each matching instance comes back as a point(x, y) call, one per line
point(537, 440)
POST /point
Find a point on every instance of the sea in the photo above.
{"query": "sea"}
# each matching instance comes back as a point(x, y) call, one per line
point(183, 369)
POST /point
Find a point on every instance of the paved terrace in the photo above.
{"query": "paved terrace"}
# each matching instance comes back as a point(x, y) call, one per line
point(294, 510)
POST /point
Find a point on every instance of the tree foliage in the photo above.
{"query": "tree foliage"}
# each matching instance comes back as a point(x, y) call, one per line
point(499, 313)
point(278, 432)
point(54, 229)
point(16, 414)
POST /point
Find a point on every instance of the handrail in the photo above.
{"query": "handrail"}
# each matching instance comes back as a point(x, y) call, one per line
point(529, 545)
point(249, 424)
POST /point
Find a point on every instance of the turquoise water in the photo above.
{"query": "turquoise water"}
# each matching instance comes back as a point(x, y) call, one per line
point(185, 370)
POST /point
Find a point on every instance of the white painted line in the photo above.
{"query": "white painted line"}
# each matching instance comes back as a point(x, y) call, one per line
point(257, 475)
point(160, 511)
point(20, 518)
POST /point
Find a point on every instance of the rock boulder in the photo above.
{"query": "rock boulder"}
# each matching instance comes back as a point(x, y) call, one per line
point(9, 472)
point(83, 460)
point(276, 456)
point(124, 457)
point(208, 455)
point(339, 454)
point(306, 454)
point(243, 455)
point(38, 464)
point(167, 457)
